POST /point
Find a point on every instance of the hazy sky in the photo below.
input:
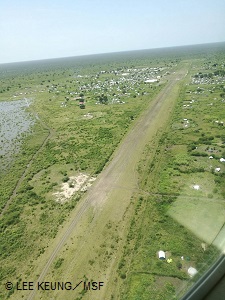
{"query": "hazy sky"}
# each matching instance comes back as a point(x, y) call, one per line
point(31, 29)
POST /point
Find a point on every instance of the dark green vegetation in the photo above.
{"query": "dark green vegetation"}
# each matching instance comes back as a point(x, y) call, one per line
point(67, 141)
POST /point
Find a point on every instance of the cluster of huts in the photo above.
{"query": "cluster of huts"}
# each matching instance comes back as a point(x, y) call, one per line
point(162, 256)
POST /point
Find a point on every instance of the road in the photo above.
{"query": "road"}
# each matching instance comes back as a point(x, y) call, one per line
point(118, 179)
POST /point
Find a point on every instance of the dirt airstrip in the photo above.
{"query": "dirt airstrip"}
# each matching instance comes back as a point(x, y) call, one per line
point(108, 199)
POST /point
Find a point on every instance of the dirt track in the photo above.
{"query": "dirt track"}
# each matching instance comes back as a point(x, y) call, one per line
point(111, 192)
point(19, 182)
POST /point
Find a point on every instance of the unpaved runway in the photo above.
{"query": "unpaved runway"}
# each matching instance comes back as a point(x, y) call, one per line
point(117, 181)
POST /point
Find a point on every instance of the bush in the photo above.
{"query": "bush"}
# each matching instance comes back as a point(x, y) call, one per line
point(191, 147)
point(58, 263)
point(65, 179)
point(11, 218)
point(199, 154)
point(123, 276)
point(179, 265)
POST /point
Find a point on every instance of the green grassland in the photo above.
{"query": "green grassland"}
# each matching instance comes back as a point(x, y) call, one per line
point(74, 143)
point(67, 140)
point(170, 214)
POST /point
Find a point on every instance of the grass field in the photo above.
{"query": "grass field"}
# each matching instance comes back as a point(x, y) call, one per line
point(182, 209)
point(74, 144)
point(142, 200)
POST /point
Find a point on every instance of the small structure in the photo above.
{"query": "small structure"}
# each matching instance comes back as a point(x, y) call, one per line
point(162, 255)
point(192, 272)
point(222, 159)
point(196, 187)
point(217, 169)
point(150, 80)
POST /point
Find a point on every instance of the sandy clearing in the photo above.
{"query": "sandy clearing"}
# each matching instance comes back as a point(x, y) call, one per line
point(81, 182)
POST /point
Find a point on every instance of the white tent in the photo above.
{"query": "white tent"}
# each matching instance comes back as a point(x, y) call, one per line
point(150, 80)
point(162, 254)
point(192, 272)
point(196, 187)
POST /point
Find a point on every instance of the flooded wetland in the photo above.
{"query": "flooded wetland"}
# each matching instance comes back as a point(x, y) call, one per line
point(15, 124)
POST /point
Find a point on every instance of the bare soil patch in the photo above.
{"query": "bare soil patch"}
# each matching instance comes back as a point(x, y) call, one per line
point(81, 182)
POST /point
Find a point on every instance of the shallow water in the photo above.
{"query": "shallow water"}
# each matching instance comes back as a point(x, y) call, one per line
point(15, 123)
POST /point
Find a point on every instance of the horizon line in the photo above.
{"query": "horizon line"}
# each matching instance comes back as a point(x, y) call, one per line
point(102, 53)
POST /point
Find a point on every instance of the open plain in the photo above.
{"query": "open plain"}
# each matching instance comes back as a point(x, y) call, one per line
point(115, 168)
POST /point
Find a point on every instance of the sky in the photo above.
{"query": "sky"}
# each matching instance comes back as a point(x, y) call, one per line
point(32, 30)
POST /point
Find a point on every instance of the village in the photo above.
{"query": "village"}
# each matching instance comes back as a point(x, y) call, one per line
point(110, 87)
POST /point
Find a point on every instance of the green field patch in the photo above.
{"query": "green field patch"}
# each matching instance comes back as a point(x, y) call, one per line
point(185, 209)
point(149, 287)
point(198, 208)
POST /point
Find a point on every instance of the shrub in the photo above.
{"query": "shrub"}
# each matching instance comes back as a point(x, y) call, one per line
point(191, 147)
point(123, 276)
point(65, 179)
point(179, 265)
point(58, 263)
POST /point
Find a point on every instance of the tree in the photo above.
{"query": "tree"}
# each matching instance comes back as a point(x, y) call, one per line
point(103, 99)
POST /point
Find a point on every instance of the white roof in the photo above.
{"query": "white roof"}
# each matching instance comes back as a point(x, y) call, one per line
point(192, 271)
point(196, 187)
point(162, 254)
point(151, 80)
point(222, 159)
